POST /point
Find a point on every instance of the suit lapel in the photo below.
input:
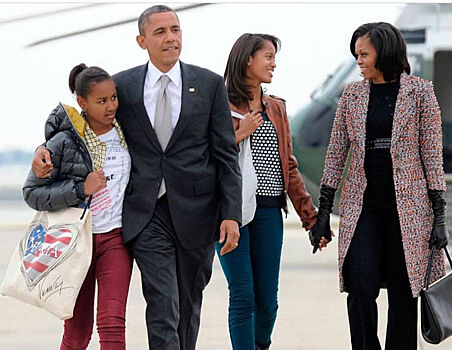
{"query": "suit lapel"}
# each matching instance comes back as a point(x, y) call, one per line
point(190, 90)
point(136, 88)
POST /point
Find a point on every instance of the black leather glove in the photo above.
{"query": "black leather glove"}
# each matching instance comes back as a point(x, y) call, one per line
point(439, 236)
point(322, 226)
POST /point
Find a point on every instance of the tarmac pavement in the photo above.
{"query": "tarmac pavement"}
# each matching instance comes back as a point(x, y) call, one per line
point(312, 312)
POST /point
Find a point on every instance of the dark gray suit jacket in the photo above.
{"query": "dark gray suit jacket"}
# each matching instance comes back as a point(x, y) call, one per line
point(200, 163)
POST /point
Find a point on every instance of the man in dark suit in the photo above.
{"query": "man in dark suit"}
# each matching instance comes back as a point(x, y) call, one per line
point(185, 190)
point(172, 237)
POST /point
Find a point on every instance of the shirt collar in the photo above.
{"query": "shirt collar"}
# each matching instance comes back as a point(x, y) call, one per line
point(153, 74)
point(97, 148)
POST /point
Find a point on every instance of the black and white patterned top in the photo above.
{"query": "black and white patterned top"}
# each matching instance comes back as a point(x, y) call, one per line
point(266, 161)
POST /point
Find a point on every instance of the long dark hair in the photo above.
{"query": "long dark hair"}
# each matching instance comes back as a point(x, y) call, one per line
point(392, 59)
point(235, 73)
point(82, 76)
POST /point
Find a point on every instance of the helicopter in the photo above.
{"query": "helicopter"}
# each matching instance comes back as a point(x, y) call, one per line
point(425, 26)
point(427, 30)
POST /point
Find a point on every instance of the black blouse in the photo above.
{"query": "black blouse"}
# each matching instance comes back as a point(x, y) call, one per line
point(381, 108)
point(378, 163)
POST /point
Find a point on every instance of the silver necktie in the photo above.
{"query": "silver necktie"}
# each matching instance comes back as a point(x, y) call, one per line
point(162, 121)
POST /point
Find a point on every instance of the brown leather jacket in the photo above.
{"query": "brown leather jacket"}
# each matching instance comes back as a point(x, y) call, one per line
point(293, 182)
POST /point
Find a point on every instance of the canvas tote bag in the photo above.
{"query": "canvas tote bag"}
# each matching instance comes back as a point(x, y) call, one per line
point(51, 261)
point(249, 178)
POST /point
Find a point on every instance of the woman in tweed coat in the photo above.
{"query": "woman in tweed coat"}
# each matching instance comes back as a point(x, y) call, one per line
point(392, 205)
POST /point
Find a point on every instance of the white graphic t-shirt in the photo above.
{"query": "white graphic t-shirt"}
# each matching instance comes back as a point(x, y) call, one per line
point(106, 204)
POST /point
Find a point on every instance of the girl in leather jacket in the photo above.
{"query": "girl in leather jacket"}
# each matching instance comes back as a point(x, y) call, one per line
point(252, 269)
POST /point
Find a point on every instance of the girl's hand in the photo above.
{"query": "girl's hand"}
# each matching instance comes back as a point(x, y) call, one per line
point(42, 163)
point(251, 122)
point(94, 182)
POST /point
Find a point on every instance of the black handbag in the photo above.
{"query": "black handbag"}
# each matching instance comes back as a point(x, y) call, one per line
point(436, 305)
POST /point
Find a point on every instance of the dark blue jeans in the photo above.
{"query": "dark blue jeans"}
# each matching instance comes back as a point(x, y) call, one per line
point(252, 272)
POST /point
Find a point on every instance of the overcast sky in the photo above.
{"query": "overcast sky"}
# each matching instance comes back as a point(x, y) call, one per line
point(315, 39)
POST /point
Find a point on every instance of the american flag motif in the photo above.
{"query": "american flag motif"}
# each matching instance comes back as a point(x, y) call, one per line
point(43, 248)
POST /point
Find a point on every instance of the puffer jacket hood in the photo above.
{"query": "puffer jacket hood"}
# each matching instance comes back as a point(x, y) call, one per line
point(64, 117)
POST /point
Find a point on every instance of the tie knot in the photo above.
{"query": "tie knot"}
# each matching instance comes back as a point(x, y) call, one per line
point(164, 79)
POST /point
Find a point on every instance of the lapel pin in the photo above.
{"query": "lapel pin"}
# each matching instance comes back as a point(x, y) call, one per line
point(191, 89)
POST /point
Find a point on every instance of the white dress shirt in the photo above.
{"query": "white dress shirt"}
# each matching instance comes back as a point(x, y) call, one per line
point(152, 86)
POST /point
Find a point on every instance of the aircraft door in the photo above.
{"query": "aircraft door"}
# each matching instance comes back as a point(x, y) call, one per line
point(442, 78)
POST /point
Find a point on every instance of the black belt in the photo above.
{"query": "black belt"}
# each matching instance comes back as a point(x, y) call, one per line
point(380, 143)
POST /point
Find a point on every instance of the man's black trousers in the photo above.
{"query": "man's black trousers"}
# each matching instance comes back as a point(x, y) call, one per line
point(173, 279)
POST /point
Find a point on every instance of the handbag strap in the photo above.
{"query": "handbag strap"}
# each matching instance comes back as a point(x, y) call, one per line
point(86, 207)
point(430, 264)
point(448, 257)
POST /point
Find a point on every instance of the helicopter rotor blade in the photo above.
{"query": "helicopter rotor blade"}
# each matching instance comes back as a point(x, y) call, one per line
point(48, 13)
point(105, 26)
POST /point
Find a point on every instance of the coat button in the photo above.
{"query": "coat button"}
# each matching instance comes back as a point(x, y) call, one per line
point(157, 185)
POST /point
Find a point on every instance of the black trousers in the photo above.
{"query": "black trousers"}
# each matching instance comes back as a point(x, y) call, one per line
point(376, 256)
point(173, 279)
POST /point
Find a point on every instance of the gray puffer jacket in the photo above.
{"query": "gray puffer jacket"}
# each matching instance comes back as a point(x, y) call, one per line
point(71, 161)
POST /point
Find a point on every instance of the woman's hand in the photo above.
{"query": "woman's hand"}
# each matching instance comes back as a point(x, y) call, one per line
point(440, 235)
point(94, 182)
point(324, 242)
point(251, 122)
point(321, 234)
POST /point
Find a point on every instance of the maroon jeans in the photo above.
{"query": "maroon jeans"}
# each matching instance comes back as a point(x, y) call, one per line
point(111, 266)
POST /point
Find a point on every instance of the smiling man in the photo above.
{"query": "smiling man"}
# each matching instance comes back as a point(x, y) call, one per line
point(185, 186)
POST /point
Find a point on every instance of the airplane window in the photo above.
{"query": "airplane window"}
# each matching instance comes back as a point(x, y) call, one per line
point(334, 83)
point(416, 36)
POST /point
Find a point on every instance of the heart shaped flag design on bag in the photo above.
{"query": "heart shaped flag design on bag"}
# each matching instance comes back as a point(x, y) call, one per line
point(43, 248)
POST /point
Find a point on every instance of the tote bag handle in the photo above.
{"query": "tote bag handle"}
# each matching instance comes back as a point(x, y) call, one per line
point(430, 263)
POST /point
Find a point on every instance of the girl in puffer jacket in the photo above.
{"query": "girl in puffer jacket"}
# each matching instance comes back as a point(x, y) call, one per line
point(89, 157)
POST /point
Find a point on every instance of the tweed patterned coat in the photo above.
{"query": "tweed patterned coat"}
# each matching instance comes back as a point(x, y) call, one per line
point(416, 152)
